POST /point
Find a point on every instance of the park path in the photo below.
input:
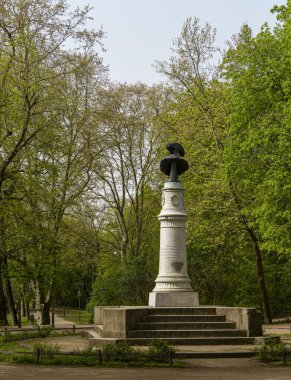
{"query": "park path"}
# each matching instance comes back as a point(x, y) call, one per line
point(59, 323)
point(215, 369)
point(62, 322)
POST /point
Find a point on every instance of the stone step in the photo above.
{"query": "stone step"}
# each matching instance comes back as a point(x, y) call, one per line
point(183, 311)
point(185, 333)
point(199, 341)
point(184, 325)
point(183, 318)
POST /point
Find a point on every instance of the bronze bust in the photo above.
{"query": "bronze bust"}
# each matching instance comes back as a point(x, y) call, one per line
point(174, 165)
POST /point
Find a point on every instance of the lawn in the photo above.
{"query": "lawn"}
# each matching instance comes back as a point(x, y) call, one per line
point(24, 321)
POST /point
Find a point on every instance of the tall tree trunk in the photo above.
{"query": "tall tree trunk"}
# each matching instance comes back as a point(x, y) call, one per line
point(26, 312)
point(23, 311)
point(261, 276)
point(259, 261)
point(3, 311)
point(42, 307)
point(10, 301)
point(37, 297)
point(45, 315)
point(9, 293)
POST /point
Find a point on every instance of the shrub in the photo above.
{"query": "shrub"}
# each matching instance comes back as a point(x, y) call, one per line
point(86, 350)
point(46, 350)
point(121, 348)
point(160, 348)
point(270, 351)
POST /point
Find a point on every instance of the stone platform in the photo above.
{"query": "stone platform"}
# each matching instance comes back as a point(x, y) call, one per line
point(201, 325)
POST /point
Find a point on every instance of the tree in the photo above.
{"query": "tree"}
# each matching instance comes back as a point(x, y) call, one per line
point(127, 139)
point(199, 114)
point(33, 62)
point(126, 180)
point(258, 149)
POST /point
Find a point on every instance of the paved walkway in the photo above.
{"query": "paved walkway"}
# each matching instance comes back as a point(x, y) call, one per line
point(277, 328)
point(204, 370)
point(60, 322)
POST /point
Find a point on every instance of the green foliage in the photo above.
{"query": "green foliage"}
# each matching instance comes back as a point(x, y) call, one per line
point(41, 333)
point(257, 153)
point(235, 127)
point(120, 348)
point(127, 284)
point(270, 352)
point(160, 348)
point(46, 350)
point(158, 353)
point(85, 350)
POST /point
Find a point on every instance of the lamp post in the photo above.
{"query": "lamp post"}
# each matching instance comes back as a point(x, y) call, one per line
point(79, 295)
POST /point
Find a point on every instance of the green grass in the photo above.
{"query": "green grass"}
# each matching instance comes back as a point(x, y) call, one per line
point(72, 315)
point(90, 361)
point(24, 321)
point(12, 346)
point(43, 332)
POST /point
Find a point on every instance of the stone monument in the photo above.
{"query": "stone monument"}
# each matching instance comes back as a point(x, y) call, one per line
point(174, 313)
point(173, 287)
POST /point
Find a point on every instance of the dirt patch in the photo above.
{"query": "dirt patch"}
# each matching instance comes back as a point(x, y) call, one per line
point(65, 343)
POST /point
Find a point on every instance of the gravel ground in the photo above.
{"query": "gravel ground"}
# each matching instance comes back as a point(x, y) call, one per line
point(232, 369)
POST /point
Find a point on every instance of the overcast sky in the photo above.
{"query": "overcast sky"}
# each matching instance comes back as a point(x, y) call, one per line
point(138, 32)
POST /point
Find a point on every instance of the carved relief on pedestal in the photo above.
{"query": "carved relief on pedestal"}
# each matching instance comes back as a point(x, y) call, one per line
point(173, 285)
point(173, 223)
point(178, 265)
point(175, 200)
point(163, 199)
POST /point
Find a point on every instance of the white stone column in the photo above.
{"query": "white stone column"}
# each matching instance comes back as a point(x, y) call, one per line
point(173, 284)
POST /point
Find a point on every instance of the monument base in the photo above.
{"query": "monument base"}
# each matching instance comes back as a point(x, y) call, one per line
point(173, 299)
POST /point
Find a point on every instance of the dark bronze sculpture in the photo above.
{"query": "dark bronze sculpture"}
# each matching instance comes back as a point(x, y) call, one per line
point(174, 165)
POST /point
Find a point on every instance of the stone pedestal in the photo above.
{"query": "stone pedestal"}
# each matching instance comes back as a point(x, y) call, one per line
point(173, 284)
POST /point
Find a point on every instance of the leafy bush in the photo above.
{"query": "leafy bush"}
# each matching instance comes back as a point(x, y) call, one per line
point(270, 351)
point(119, 349)
point(45, 331)
point(160, 348)
point(86, 350)
point(46, 350)
point(20, 359)
point(123, 285)
point(158, 352)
